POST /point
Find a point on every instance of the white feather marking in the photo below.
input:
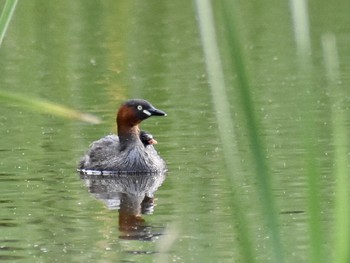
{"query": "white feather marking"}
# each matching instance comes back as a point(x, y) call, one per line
point(147, 112)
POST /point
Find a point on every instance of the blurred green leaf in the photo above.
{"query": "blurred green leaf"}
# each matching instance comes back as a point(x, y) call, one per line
point(6, 16)
point(44, 106)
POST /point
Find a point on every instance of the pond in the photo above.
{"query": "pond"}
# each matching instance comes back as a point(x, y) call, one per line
point(92, 56)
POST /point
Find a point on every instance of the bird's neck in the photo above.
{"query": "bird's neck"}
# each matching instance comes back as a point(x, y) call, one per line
point(128, 135)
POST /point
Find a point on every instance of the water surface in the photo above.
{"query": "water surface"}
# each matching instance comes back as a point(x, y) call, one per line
point(92, 56)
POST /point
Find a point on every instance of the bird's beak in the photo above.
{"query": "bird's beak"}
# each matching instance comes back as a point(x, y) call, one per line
point(154, 112)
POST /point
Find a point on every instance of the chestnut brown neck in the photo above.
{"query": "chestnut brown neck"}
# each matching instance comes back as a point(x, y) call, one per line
point(128, 126)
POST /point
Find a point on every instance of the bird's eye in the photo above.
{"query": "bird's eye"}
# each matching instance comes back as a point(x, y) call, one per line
point(139, 107)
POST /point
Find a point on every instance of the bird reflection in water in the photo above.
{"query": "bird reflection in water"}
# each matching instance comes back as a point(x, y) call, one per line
point(132, 194)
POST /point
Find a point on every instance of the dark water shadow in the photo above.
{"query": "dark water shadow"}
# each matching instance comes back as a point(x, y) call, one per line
point(9, 249)
point(133, 195)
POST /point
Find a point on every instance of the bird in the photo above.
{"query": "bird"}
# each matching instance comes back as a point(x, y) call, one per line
point(132, 150)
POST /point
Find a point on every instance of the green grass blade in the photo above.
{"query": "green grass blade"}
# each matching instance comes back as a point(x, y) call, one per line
point(341, 146)
point(6, 16)
point(314, 196)
point(44, 106)
point(224, 118)
point(299, 11)
point(257, 148)
point(341, 171)
point(301, 26)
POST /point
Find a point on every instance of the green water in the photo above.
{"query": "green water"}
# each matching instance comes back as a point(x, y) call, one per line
point(92, 55)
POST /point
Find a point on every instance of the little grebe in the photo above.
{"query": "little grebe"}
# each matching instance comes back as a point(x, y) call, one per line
point(132, 150)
